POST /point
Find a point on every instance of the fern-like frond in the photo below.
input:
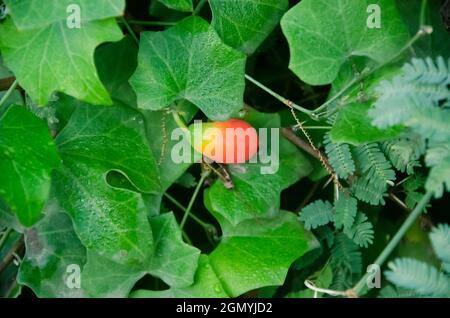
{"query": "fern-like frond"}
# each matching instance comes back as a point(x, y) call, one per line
point(440, 240)
point(316, 214)
point(345, 253)
point(339, 157)
point(422, 85)
point(362, 231)
point(345, 211)
point(418, 276)
point(439, 177)
point(375, 172)
point(404, 152)
point(367, 191)
point(373, 163)
point(346, 262)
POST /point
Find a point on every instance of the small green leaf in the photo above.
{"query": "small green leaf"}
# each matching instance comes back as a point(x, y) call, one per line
point(189, 61)
point(317, 214)
point(116, 62)
point(244, 24)
point(345, 211)
point(353, 125)
point(32, 14)
point(51, 247)
point(174, 261)
point(27, 157)
point(57, 58)
point(324, 34)
point(180, 5)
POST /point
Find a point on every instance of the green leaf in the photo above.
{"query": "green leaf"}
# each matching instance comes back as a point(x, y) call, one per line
point(107, 278)
point(189, 61)
point(32, 14)
point(51, 247)
point(361, 232)
point(324, 34)
point(244, 24)
point(116, 62)
point(340, 157)
point(57, 58)
point(180, 5)
point(440, 240)
point(345, 211)
point(260, 256)
point(317, 214)
point(109, 221)
point(419, 276)
point(206, 285)
point(353, 125)
point(256, 192)
point(27, 157)
point(174, 261)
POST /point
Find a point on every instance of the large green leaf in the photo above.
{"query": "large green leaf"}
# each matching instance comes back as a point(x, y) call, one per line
point(354, 126)
point(56, 58)
point(257, 195)
point(256, 255)
point(206, 285)
point(181, 5)
point(324, 34)
point(109, 221)
point(51, 247)
point(244, 24)
point(27, 157)
point(259, 254)
point(189, 61)
point(31, 14)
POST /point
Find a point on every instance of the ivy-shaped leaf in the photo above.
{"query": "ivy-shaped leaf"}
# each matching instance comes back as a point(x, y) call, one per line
point(206, 285)
point(324, 34)
point(58, 58)
point(27, 157)
point(174, 261)
point(354, 126)
point(51, 247)
point(244, 24)
point(190, 62)
point(110, 221)
point(252, 257)
point(33, 14)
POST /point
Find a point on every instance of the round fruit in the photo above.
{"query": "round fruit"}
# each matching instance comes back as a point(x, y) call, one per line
point(231, 141)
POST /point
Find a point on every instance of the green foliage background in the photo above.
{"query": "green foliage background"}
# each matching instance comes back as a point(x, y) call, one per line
point(86, 176)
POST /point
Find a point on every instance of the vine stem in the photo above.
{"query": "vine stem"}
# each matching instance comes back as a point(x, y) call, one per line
point(199, 7)
point(423, 11)
point(202, 223)
point(130, 30)
point(179, 120)
point(285, 101)
point(361, 285)
point(194, 196)
point(424, 30)
point(5, 237)
point(9, 92)
point(151, 23)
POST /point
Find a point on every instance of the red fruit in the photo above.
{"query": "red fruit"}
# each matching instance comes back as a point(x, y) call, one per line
point(231, 141)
